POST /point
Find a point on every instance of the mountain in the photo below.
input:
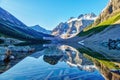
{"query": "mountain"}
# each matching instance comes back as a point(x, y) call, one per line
point(6, 16)
point(40, 29)
point(109, 16)
point(12, 27)
point(106, 27)
point(73, 26)
point(111, 9)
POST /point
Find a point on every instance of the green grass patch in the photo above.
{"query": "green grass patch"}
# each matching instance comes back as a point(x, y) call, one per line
point(90, 30)
point(93, 30)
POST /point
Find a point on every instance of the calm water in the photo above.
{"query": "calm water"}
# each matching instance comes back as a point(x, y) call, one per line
point(61, 62)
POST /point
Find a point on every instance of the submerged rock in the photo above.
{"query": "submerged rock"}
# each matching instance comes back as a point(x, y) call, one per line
point(114, 44)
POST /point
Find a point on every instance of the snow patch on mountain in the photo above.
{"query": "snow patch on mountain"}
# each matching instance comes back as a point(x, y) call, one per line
point(90, 16)
point(74, 25)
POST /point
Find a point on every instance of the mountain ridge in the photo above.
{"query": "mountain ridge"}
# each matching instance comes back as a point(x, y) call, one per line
point(40, 29)
point(73, 26)
point(107, 17)
point(108, 28)
point(12, 27)
point(6, 16)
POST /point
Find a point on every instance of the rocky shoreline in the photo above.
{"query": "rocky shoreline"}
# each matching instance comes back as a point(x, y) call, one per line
point(11, 55)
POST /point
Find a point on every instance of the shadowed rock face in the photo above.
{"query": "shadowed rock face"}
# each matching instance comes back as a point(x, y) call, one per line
point(112, 7)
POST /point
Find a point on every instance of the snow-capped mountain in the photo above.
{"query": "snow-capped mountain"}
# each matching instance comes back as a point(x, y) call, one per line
point(41, 29)
point(12, 27)
point(73, 26)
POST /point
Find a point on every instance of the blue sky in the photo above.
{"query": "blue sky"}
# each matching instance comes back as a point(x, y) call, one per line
point(49, 13)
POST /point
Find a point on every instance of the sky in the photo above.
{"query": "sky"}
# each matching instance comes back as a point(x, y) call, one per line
point(49, 13)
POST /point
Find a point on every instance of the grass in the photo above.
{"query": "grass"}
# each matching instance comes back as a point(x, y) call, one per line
point(90, 30)
point(93, 30)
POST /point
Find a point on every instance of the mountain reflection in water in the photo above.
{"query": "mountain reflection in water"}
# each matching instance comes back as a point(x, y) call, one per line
point(63, 62)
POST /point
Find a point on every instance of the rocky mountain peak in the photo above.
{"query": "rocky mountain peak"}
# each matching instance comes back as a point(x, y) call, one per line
point(71, 18)
point(89, 15)
point(80, 16)
point(112, 7)
point(40, 29)
point(73, 26)
point(37, 25)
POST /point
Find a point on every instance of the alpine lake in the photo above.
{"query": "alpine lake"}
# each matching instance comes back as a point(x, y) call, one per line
point(58, 62)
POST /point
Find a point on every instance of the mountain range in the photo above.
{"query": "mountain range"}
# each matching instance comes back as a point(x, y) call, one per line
point(89, 26)
point(106, 26)
point(40, 29)
point(10, 26)
point(95, 33)
point(73, 26)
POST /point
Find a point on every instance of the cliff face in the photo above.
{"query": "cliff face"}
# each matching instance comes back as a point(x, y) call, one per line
point(112, 8)
point(73, 26)
point(112, 30)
